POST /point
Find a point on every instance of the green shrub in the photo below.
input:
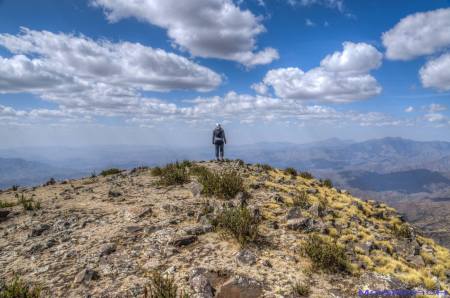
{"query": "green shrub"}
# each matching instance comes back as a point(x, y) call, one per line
point(173, 174)
point(156, 171)
point(111, 171)
point(301, 200)
point(93, 174)
point(224, 185)
point(327, 183)
point(161, 287)
point(186, 163)
point(238, 222)
point(15, 187)
point(306, 175)
point(29, 204)
point(6, 204)
point(402, 231)
point(291, 171)
point(326, 255)
point(301, 290)
point(197, 170)
point(19, 289)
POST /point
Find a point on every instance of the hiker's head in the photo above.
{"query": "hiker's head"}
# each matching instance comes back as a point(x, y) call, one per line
point(218, 125)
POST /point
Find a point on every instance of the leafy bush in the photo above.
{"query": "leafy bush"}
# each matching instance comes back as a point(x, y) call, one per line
point(156, 171)
point(300, 290)
point(327, 183)
point(29, 204)
point(186, 163)
point(161, 287)
point(238, 222)
point(301, 200)
point(6, 204)
point(197, 170)
point(326, 255)
point(173, 174)
point(224, 185)
point(291, 171)
point(402, 231)
point(306, 175)
point(19, 289)
point(111, 171)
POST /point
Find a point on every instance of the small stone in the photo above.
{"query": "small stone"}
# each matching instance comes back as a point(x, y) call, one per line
point(417, 261)
point(39, 230)
point(107, 249)
point(312, 191)
point(314, 210)
point(246, 257)
point(51, 243)
point(303, 224)
point(200, 283)
point(190, 213)
point(4, 214)
point(294, 212)
point(198, 230)
point(133, 229)
point(144, 212)
point(267, 263)
point(86, 275)
point(114, 193)
point(239, 286)
point(38, 247)
point(196, 189)
point(183, 240)
point(278, 198)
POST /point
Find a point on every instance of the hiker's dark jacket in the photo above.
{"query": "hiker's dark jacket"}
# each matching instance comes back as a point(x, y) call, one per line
point(218, 136)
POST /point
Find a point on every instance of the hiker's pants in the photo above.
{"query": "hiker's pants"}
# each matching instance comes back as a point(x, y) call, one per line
point(219, 149)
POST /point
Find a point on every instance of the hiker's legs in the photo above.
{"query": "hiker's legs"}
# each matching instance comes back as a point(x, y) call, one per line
point(217, 151)
point(221, 151)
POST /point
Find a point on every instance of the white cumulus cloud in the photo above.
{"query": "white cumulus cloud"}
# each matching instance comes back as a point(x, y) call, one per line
point(206, 28)
point(341, 77)
point(418, 34)
point(436, 73)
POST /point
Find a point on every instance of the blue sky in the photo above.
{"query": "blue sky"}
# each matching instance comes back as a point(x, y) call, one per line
point(149, 72)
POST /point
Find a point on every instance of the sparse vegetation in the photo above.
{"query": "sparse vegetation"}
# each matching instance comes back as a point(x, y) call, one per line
point(173, 174)
point(326, 255)
point(15, 187)
point(156, 171)
point(266, 167)
point(239, 222)
point(29, 204)
point(51, 181)
point(306, 175)
point(301, 200)
point(224, 185)
point(300, 290)
point(240, 162)
point(291, 171)
point(93, 174)
point(327, 183)
point(161, 286)
point(109, 172)
point(402, 231)
point(6, 204)
point(19, 289)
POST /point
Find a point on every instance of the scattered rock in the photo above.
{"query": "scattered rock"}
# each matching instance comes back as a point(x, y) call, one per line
point(107, 249)
point(266, 263)
point(39, 230)
point(35, 248)
point(294, 212)
point(278, 198)
point(114, 193)
point(312, 191)
point(240, 287)
point(4, 214)
point(183, 240)
point(86, 275)
point(200, 284)
point(306, 225)
point(416, 260)
point(198, 230)
point(246, 257)
point(196, 189)
point(133, 229)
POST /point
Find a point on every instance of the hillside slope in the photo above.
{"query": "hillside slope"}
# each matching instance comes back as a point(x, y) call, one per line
point(107, 236)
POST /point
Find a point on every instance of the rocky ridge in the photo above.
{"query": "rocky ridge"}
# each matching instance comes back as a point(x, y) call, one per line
point(103, 236)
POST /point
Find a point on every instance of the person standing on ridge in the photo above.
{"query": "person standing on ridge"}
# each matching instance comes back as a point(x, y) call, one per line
point(218, 139)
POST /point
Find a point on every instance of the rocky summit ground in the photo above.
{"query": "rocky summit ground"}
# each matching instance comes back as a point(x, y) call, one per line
point(105, 236)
